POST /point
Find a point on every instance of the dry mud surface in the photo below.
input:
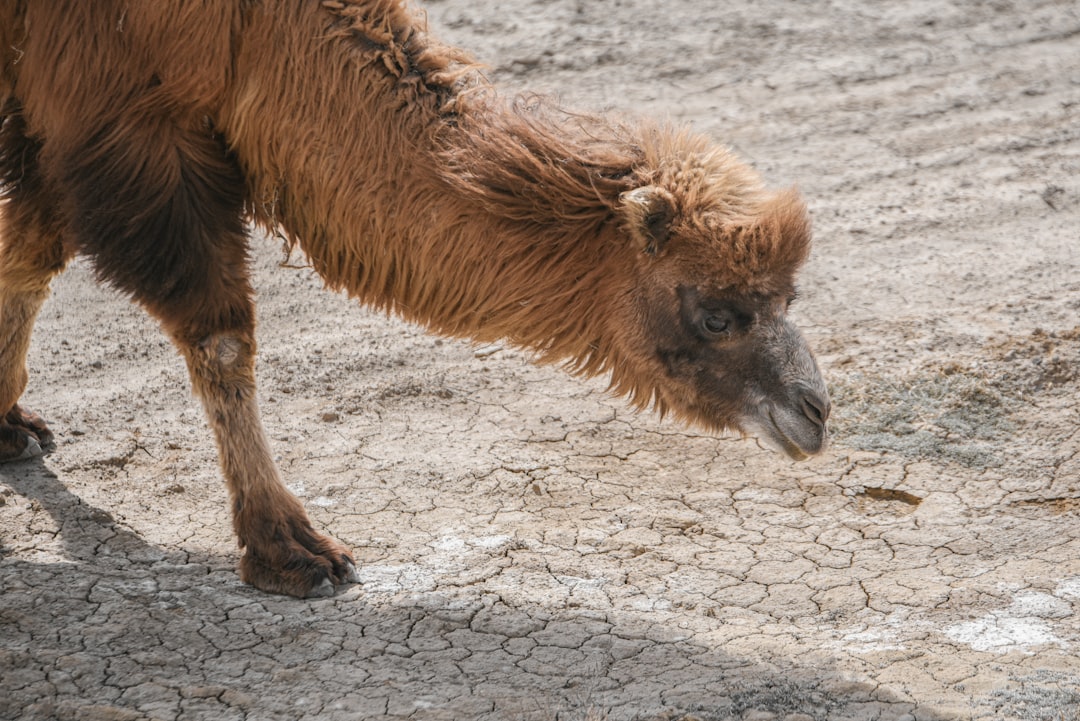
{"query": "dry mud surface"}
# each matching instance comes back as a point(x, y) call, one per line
point(532, 549)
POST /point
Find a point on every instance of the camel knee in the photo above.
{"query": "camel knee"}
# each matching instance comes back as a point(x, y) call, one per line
point(222, 369)
point(31, 255)
point(225, 351)
point(220, 359)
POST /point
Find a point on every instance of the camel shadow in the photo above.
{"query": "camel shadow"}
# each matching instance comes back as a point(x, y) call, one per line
point(152, 630)
point(85, 533)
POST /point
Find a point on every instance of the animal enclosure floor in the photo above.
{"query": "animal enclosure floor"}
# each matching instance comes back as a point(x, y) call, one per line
point(533, 550)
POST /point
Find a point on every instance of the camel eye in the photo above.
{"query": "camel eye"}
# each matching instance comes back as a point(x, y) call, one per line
point(715, 324)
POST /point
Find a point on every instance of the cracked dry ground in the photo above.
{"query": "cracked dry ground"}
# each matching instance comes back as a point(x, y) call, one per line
point(533, 550)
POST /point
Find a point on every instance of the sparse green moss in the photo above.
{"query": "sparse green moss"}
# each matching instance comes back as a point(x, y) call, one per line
point(946, 413)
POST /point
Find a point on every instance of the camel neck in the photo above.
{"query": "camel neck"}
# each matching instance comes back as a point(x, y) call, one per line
point(411, 185)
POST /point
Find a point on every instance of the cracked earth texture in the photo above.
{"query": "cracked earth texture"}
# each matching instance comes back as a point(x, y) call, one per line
point(530, 548)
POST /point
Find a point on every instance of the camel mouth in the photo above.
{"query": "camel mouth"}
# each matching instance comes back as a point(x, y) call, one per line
point(798, 441)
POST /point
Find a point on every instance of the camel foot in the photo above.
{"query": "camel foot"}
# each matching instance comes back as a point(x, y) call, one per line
point(23, 435)
point(297, 561)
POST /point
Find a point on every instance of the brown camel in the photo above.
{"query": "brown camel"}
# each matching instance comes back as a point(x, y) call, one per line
point(147, 135)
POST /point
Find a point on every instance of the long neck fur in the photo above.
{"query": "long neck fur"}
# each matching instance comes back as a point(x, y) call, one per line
point(413, 186)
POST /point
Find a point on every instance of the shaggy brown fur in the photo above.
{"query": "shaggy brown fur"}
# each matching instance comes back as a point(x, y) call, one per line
point(143, 135)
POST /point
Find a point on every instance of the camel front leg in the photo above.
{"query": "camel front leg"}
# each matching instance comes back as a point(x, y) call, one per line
point(157, 203)
point(22, 434)
point(283, 553)
point(31, 254)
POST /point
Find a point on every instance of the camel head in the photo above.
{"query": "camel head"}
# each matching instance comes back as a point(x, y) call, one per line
point(715, 257)
point(643, 251)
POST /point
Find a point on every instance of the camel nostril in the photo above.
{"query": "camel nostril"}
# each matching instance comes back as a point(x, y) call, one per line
point(816, 407)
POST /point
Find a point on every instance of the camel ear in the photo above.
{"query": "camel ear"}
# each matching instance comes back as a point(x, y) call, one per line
point(647, 213)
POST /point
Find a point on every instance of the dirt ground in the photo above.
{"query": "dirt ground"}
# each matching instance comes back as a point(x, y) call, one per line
point(533, 550)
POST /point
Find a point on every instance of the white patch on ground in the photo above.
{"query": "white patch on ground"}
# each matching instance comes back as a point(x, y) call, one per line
point(881, 636)
point(488, 542)
point(395, 578)
point(1069, 587)
point(449, 557)
point(576, 582)
point(871, 640)
point(1020, 627)
point(999, 633)
point(1040, 605)
point(455, 544)
point(646, 604)
point(449, 544)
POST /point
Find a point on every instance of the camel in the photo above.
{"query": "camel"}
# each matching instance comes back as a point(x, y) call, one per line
point(151, 137)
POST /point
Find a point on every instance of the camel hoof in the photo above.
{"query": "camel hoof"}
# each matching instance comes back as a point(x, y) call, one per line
point(23, 435)
point(323, 590)
point(298, 562)
point(33, 450)
point(328, 588)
